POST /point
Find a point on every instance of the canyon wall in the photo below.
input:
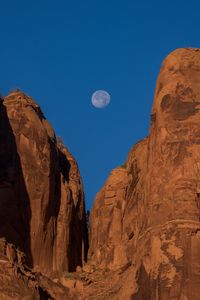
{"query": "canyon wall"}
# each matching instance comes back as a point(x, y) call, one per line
point(42, 202)
point(146, 216)
point(144, 229)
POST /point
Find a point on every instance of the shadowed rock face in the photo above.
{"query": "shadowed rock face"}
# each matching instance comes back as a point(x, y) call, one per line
point(147, 214)
point(145, 223)
point(19, 282)
point(42, 208)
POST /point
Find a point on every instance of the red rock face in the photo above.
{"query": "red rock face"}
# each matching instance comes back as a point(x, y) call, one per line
point(145, 223)
point(41, 195)
point(147, 214)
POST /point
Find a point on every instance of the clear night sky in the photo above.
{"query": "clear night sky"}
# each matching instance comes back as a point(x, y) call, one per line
point(60, 52)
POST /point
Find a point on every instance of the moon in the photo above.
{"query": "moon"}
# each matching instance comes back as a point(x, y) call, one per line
point(100, 99)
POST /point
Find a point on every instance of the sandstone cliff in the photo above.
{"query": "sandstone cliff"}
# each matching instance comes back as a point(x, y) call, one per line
point(42, 210)
point(145, 220)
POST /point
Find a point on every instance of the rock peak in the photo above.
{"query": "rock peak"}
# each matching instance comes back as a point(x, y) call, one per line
point(44, 199)
point(18, 96)
point(146, 221)
point(181, 68)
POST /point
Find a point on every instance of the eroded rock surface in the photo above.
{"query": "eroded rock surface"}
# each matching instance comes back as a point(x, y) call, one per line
point(19, 282)
point(42, 210)
point(147, 214)
point(145, 223)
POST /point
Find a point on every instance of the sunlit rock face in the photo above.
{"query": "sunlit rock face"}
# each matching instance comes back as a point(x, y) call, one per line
point(147, 214)
point(41, 194)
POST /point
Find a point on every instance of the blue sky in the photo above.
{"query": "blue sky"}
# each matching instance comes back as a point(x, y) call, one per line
point(60, 52)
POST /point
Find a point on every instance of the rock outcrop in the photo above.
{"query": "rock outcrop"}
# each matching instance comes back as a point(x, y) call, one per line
point(19, 282)
point(146, 218)
point(144, 228)
point(42, 210)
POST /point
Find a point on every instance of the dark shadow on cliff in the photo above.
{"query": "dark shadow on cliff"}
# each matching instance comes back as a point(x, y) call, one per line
point(80, 226)
point(75, 223)
point(15, 212)
point(78, 234)
point(145, 290)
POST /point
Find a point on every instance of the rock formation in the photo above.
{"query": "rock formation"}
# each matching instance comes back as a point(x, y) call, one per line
point(146, 217)
point(42, 210)
point(144, 226)
point(19, 282)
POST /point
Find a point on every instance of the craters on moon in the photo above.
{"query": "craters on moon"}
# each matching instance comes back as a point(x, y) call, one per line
point(100, 99)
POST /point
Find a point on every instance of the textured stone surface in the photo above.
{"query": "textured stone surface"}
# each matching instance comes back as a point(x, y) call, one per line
point(145, 223)
point(147, 215)
point(19, 282)
point(41, 195)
